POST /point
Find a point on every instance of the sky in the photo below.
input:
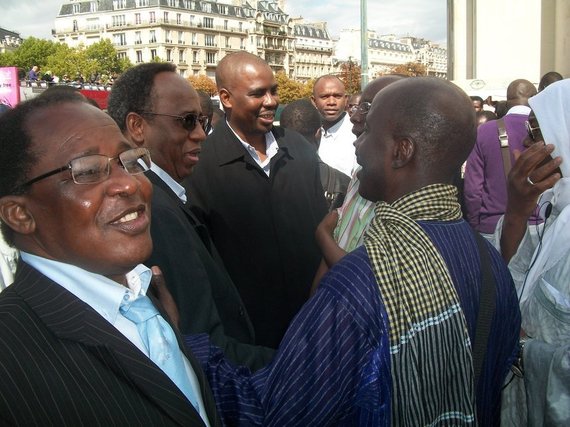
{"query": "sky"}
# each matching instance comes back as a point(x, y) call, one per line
point(420, 18)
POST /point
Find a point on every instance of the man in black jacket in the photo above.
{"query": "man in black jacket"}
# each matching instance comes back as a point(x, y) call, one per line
point(258, 189)
point(156, 108)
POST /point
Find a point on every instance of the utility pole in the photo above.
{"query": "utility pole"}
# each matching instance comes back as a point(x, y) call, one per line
point(363, 44)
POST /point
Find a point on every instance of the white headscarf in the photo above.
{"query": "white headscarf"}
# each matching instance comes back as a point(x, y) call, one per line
point(552, 110)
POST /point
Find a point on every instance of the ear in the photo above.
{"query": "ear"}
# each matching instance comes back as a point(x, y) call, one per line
point(135, 128)
point(313, 101)
point(14, 212)
point(224, 95)
point(403, 152)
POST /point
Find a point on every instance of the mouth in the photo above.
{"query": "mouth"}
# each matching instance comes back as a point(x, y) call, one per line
point(192, 156)
point(132, 221)
point(267, 116)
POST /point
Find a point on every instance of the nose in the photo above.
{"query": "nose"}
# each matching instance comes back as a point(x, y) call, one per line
point(270, 99)
point(197, 134)
point(120, 182)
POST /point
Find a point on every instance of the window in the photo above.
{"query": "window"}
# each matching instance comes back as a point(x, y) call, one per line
point(208, 22)
point(181, 56)
point(138, 39)
point(194, 39)
point(179, 18)
point(93, 6)
point(152, 36)
point(119, 39)
point(227, 43)
point(142, 3)
point(223, 9)
point(192, 19)
point(165, 16)
point(93, 23)
point(210, 57)
point(119, 20)
point(119, 4)
point(195, 57)
point(152, 17)
point(169, 55)
point(180, 37)
point(225, 24)
point(167, 36)
point(138, 18)
point(76, 7)
point(152, 53)
point(207, 7)
point(172, 3)
point(75, 25)
point(122, 55)
point(210, 40)
point(241, 26)
point(139, 56)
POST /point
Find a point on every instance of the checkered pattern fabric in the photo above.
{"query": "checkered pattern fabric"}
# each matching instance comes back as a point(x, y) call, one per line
point(432, 368)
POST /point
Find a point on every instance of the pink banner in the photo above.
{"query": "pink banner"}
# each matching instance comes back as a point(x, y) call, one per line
point(9, 86)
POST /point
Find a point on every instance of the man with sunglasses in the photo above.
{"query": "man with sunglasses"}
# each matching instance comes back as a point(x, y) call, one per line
point(158, 109)
point(74, 346)
point(485, 186)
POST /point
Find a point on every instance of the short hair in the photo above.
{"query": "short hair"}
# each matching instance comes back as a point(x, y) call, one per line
point(132, 91)
point(327, 77)
point(17, 151)
point(303, 117)
point(438, 116)
point(548, 79)
point(489, 115)
point(476, 98)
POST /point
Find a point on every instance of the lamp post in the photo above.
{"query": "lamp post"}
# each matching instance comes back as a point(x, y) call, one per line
point(363, 44)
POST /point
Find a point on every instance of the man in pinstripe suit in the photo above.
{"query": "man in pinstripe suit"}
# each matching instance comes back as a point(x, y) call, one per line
point(74, 201)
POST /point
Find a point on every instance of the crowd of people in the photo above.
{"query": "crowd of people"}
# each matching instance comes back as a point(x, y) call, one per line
point(160, 269)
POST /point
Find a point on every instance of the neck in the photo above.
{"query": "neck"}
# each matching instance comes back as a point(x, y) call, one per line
point(328, 125)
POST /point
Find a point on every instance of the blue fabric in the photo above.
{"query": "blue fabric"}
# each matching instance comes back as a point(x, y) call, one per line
point(333, 365)
point(160, 342)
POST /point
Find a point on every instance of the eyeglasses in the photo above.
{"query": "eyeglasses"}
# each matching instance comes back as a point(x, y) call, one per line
point(362, 108)
point(188, 121)
point(531, 131)
point(96, 167)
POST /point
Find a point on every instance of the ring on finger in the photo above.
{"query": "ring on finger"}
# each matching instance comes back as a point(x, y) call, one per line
point(530, 181)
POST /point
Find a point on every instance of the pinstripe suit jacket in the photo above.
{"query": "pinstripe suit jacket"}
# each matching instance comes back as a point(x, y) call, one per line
point(63, 364)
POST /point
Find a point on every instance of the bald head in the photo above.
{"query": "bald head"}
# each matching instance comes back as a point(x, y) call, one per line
point(436, 116)
point(519, 91)
point(232, 66)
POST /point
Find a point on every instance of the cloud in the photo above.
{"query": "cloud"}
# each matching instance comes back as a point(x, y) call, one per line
point(419, 18)
point(30, 18)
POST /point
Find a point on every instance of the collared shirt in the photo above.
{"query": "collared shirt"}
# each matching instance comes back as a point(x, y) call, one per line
point(174, 186)
point(519, 109)
point(105, 297)
point(271, 149)
point(336, 147)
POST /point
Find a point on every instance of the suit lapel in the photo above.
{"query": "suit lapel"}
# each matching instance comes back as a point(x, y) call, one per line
point(69, 318)
point(200, 228)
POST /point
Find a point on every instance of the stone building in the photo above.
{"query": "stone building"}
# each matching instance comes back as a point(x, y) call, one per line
point(313, 50)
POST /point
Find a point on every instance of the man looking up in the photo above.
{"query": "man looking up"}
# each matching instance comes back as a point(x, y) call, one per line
point(258, 189)
point(158, 109)
point(388, 337)
point(74, 347)
point(335, 146)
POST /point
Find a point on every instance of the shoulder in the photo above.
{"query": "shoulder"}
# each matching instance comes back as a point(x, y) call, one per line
point(294, 142)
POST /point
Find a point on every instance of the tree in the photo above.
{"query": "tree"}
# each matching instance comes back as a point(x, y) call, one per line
point(412, 69)
point(350, 75)
point(203, 83)
point(73, 62)
point(289, 90)
point(104, 55)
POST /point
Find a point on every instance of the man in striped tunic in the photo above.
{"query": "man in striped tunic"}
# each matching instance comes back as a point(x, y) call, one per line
point(388, 337)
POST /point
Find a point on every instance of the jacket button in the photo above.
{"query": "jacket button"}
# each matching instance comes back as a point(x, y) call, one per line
point(241, 312)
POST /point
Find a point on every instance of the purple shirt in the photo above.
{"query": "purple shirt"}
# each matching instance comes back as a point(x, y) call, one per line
point(485, 186)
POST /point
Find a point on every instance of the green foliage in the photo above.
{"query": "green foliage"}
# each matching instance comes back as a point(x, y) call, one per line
point(99, 58)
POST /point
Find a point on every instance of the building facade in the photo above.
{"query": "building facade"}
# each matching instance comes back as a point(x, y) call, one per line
point(313, 50)
point(193, 34)
point(387, 51)
point(9, 40)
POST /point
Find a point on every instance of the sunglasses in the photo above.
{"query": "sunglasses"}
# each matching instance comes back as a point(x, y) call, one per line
point(96, 167)
point(362, 108)
point(188, 121)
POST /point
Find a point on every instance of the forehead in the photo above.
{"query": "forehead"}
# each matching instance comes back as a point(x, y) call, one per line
point(172, 90)
point(252, 76)
point(328, 85)
point(70, 129)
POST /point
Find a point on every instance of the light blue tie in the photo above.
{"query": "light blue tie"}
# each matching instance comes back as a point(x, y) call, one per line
point(160, 342)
